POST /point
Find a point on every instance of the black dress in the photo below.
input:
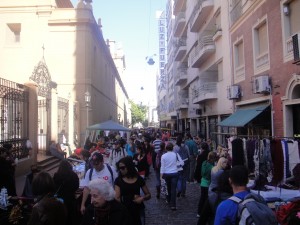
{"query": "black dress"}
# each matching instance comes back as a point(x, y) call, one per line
point(128, 191)
point(66, 186)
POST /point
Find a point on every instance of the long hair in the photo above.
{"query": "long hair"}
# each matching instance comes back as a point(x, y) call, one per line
point(64, 168)
point(43, 184)
point(219, 165)
point(131, 170)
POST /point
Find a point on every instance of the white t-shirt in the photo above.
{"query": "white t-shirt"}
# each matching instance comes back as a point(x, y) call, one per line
point(102, 174)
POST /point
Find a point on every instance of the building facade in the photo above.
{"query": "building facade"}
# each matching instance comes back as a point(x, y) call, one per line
point(60, 49)
point(234, 64)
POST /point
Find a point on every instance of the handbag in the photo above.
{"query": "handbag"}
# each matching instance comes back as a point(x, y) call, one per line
point(179, 164)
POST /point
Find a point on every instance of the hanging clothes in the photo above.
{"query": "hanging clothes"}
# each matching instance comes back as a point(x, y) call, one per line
point(293, 150)
point(237, 152)
point(278, 161)
point(250, 146)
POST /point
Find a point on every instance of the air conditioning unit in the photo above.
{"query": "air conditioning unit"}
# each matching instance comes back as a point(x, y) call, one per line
point(234, 92)
point(261, 85)
point(296, 46)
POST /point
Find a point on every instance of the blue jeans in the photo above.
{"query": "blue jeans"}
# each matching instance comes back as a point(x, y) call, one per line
point(171, 180)
point(181, 184)
point(157, 175)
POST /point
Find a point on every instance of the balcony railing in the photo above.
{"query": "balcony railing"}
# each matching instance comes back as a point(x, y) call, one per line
point(289, 45)
point(182, 103)
point(180, 48)
point(180, 76)
point(204, 91)
point(200, 13)
point(180, 23)
point(204, 49)
point(178, 6)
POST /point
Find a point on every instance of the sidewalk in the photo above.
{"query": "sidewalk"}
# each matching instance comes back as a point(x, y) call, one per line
point(158, 213)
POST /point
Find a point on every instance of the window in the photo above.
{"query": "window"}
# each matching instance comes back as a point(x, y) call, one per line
point(290, 19)
point(260, 46)
point(13, 33)
point(239, 64)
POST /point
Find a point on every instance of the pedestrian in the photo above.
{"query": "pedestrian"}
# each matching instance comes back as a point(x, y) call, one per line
point(169, 172)
point(104, 210)
point(116, 153)
point(140, 160)
point(183, 151)
point(204, 150)
point(48, 210)
point(7, 172)
point(207, 166)
point(157, 168)
point(193, 152)
point(128, 186)
point(99, 170)
point(130, 147)
point(66, 184)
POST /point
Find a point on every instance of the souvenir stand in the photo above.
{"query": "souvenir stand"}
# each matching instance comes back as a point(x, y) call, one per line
point(273, 163)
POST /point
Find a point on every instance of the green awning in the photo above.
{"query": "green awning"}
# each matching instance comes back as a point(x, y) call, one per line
point(242, 116)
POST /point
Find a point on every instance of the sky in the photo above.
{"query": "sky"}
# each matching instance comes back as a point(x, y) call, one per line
point(133, 23)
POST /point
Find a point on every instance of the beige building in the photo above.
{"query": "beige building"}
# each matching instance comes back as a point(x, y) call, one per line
point(198, 67)
point(60, 49)
point(232, 68)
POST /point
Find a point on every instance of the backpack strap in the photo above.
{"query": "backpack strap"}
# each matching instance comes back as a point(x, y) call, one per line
point(235, 199)
point(111, 172)
point(108, 167)
point(91, 172)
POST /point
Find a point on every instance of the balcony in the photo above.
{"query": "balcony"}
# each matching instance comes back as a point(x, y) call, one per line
point(200, 14)
point(180, 76)
point(182, 103)
point(180, 23)
point(179, 5)
point(204, 92)
point(180, 49)
point(204, 49)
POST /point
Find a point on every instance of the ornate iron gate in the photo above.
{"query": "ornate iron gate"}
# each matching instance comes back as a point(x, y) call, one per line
point(14, 117)
point(42, 77)
point(44, 117)
point(63, 120)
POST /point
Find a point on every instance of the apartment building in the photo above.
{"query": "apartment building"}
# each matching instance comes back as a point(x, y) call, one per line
point(198, 66)
point(60, 49)
point(265, 71)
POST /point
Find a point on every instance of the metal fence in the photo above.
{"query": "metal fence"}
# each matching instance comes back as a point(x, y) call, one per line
point(14, 117)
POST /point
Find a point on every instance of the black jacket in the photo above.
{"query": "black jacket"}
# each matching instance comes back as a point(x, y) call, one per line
point(118, 215)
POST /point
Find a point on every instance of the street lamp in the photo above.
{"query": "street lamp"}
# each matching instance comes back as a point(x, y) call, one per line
point(87, 99)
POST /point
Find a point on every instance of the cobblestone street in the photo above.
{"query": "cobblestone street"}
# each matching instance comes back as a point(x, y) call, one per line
point(158, 213)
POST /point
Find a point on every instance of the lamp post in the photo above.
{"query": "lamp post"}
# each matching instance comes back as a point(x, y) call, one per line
point(177, 111)
point(87, 99)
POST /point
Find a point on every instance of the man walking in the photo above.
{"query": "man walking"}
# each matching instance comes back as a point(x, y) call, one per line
point(193, 152)
point(100, 170)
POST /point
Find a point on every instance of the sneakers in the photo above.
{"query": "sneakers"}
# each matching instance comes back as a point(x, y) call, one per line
point(198, 216)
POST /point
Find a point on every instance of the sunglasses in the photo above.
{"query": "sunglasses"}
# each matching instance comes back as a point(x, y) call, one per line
point(122, 167)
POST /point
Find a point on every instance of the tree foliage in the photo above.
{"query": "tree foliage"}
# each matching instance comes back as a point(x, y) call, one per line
point(138, 112)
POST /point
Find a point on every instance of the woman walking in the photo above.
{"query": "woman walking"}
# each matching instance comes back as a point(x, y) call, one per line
point(127, 188)
point(169, 172)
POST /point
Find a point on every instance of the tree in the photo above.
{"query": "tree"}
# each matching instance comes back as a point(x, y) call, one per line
point(138, 112)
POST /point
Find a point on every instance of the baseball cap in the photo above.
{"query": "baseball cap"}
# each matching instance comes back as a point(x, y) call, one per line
point(97, 157)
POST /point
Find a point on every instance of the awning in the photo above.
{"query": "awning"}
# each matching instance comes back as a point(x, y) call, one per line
point(242, 116)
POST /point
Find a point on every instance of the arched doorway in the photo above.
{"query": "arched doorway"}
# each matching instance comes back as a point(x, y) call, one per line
point(291, 107)
point(42, 77)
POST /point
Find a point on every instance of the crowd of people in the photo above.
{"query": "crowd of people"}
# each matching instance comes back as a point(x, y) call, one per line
point(114, 190)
